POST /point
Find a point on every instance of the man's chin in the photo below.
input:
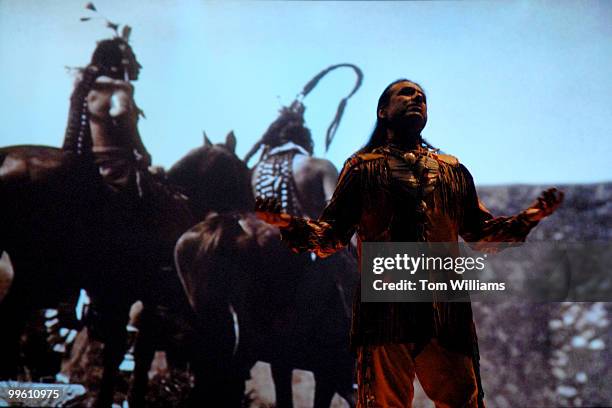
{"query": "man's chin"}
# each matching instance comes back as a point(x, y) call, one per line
point(414, 115)
point(414, 121)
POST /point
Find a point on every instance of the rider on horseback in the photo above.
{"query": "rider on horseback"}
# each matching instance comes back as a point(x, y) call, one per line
point(303, 184)
point(288, 171)
point(103, 117)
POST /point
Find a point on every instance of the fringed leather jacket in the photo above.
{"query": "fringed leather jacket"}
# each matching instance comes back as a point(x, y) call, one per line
point(406, 196)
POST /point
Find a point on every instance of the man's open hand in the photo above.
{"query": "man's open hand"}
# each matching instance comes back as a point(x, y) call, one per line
point(548, 201)
point(269, 210)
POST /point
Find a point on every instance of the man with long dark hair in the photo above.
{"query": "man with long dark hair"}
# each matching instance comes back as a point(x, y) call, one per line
point(398, 188)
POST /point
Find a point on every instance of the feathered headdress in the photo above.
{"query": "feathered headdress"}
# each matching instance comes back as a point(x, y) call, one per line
point(123, 36)
point(125, 31)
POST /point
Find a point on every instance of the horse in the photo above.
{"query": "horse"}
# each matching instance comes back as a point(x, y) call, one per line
point(242, 281)
point(65, 230)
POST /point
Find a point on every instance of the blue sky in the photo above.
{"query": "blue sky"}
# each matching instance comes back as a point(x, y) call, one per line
point(519, 91)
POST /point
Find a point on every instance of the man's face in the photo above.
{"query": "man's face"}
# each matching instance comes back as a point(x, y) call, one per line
point(407, 107)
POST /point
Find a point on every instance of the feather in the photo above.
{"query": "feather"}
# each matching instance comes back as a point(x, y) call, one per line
point(112, 26)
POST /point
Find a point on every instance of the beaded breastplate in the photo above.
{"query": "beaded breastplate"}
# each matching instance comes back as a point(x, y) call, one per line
point(275, 179)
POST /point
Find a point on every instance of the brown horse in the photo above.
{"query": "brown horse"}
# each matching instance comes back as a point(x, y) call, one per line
point(65, 230)
point(242, 283)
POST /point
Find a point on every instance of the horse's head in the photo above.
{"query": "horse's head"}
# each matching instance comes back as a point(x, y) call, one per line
point(214, 178)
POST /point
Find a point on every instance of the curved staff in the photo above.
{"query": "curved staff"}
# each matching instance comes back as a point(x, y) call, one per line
point(297, 106)
point(398, 189)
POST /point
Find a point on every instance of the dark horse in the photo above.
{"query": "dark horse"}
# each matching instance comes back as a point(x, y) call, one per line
point(65, 230)
point(242, 283)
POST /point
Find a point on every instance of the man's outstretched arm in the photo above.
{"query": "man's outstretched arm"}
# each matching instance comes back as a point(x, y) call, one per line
point(334, 228)
point(478, 225)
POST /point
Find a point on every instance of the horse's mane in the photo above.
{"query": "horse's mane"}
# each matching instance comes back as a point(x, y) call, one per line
point(214, 179)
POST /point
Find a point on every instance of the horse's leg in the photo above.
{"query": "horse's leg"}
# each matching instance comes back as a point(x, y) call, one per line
point(144, 350)
point(13, 315)
point(112, 331)
point(325, 388)
point(348, 395)
point(343, 374)
point(234, 390)
point(334, 373)
point(219, 382)
point(215, 388)
point(282, 375)
point(333, 364)
point(15, 309)
point(114, 350)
